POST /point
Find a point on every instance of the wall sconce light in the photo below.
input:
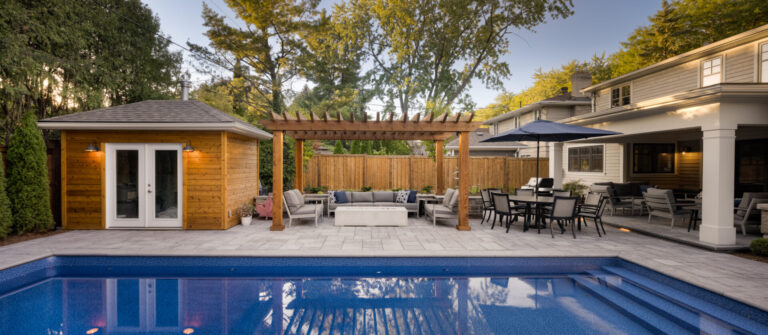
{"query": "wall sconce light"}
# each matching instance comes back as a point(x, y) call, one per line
point(687, 150)
point(92, 147)
point(188, 147)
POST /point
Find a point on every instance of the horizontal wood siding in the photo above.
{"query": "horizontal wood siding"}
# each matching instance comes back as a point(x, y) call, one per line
point(340, 172)
point(507, 124)
point(84, 194)
point(687, 174)
point(740, 64)
point(676, 79)
point(242, 174)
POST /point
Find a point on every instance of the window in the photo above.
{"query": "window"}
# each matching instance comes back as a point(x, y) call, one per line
point(585, 159)
point(764, 63)
point(711, 71)
point(653, 158)
point(620, 96)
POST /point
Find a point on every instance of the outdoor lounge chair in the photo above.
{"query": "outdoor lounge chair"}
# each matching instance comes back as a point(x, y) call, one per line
point(297, 209)
point(447, 209)
point(747, 212)
point(661, 203)
point(613, 201)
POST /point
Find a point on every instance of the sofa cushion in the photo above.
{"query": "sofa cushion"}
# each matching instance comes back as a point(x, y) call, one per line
point(383, 196)
point(331, 197)
point(337, 205)
point(387, 204)
point(402, 196)
point(341, 197)
point(362, 196)
point(411, 206)
point(412, 196)
point(363, 204)
point(447, 196)
point(623, 189)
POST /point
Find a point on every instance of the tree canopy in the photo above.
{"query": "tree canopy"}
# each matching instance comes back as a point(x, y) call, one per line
point(55, 63)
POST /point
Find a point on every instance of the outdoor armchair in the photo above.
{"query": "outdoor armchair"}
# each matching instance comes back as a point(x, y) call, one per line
point(613, 201)
point(447, 209)
point(747, 212)
point(297, 209)
point(661, 203)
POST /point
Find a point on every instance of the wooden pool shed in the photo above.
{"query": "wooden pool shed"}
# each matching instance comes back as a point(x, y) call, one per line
point(156, 164)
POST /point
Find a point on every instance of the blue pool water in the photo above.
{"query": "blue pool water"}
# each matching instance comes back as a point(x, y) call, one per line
point(192, 295)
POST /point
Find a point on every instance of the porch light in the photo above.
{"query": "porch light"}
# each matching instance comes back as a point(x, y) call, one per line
point(92, 147)
point(188, 331)
point(687, 150)
point(188, 147)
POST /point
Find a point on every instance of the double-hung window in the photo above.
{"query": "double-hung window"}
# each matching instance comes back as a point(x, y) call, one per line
point(764, 63)
point(585, 159)
point(711, 71)
point(620, 96)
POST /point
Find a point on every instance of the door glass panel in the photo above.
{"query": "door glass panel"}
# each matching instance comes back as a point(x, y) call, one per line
point(166, 178)
point(127, 180)
point(128, 303)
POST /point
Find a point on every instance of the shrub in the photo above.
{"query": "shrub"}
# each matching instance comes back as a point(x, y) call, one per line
point(28, 178)
point(6, 220)
point(366, 188)
point(427, 189)
point(246, 209)
point(759, 246)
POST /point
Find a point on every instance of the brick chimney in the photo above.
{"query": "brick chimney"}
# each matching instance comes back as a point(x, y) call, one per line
point(579, 81)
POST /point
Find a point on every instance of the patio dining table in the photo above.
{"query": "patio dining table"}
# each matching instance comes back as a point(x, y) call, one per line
point(530, 201)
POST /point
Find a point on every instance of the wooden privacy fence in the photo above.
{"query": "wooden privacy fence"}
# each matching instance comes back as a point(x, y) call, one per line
point(341, 172)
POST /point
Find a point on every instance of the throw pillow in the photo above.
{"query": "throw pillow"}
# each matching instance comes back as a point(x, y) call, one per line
point(402, 196)
point(412, 196)
point(341, 197)
point(331, 197)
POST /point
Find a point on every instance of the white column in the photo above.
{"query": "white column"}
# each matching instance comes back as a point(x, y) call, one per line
point(556, 163)
point(718, 179)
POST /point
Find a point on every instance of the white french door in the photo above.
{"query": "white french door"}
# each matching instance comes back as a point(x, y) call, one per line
point(143, 185)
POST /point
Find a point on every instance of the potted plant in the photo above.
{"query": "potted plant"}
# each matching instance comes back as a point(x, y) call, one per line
point(576, 187)
point(246, 213)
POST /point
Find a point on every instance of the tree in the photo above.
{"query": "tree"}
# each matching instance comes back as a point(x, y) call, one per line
point(430, 51)
point(338, 149)
point(28, 178)
point(6, 219)
point(269, 45)
point(53, 64)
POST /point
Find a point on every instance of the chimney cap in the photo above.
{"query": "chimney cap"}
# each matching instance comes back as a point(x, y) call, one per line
point(185, 90)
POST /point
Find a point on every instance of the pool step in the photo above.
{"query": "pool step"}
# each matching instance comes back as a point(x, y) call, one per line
point(681, 298)
point(648, 318)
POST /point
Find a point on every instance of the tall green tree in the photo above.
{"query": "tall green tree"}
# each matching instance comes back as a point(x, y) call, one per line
point(269, 45)
point(430, 51)
point(338, 148)
point(28, 178)
point(55, 63)
point(6, 218)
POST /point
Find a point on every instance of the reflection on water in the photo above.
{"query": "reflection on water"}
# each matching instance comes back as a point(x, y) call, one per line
point(364, 305)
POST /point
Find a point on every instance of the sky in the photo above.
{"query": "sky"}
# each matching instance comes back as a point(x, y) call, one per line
point(596, 26)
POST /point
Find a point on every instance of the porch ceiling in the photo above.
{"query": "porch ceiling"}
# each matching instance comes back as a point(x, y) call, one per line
point(687, 134)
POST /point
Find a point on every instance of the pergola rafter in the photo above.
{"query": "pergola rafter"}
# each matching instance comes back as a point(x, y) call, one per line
point(429, 127)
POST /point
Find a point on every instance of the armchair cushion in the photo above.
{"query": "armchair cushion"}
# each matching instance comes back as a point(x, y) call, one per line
point(306, 209)
point(447, 196)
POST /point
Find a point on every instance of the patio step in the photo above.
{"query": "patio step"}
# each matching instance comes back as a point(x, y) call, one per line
point(706, 309)
point(648, 318)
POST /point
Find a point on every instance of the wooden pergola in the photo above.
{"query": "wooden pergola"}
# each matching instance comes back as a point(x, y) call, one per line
point(432, 128)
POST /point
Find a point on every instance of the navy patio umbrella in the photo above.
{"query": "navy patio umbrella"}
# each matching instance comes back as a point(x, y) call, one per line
point(548, 131)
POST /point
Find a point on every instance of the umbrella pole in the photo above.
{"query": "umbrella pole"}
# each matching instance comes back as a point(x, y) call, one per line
point(537, 167)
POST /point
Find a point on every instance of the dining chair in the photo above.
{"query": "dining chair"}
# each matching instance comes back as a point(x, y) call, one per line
point(592, 208)
point(504, 210)
point(487, 205)
point(563, 210)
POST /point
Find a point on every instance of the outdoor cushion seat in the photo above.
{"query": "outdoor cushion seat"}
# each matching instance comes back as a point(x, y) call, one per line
point(372, 199)
point(306, 209)
point(362, 204)
point(445, 209)
point(336, 205)
point(362, 197)
point(438, 209)
point(661, 203)
point(383, 196)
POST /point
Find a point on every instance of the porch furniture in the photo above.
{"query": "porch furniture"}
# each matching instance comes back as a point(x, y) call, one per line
point(264, 209)
point(373, 199)
point(491, 191)
point(613, 201)
point(533, 204)
point(661, 203)
point(488, 208)
point(524, 192)
point(504, 210)
point(747, 212)
point(322, 199)
point(763, 219)
point(544, 184)
point(695, 210)
point(561, 193)
point(592, 208)
point(629, 192)
point(447, 209)
point(297, 209)
point(371, 216)
point(563, 210)
point(423, 199)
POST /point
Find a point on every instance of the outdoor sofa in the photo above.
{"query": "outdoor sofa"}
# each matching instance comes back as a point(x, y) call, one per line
point(372, 199)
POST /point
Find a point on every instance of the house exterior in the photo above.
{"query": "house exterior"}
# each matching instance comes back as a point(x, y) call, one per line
point(563, 106)
point(479, 148)
point(156, 164)
point(696, 121)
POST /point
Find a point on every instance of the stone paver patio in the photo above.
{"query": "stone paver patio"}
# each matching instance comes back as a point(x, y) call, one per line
point(736, 277)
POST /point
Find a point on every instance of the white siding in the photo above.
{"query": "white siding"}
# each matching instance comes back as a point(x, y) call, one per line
point(740, 64)
point(612, 160)
point(526, 117)
point(680, 78)
point(507, 124)
point(603, 99)
point(553, 113)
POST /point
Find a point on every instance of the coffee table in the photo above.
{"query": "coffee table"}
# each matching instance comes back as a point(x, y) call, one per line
point(371, 216)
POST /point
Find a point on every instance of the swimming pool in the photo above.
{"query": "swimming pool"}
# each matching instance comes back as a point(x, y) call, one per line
point(236, 295)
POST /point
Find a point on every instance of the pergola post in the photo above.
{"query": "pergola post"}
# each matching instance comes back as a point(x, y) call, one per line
point(463, 181)
point(300, 165)
point(439, 174)
point(277, 181)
